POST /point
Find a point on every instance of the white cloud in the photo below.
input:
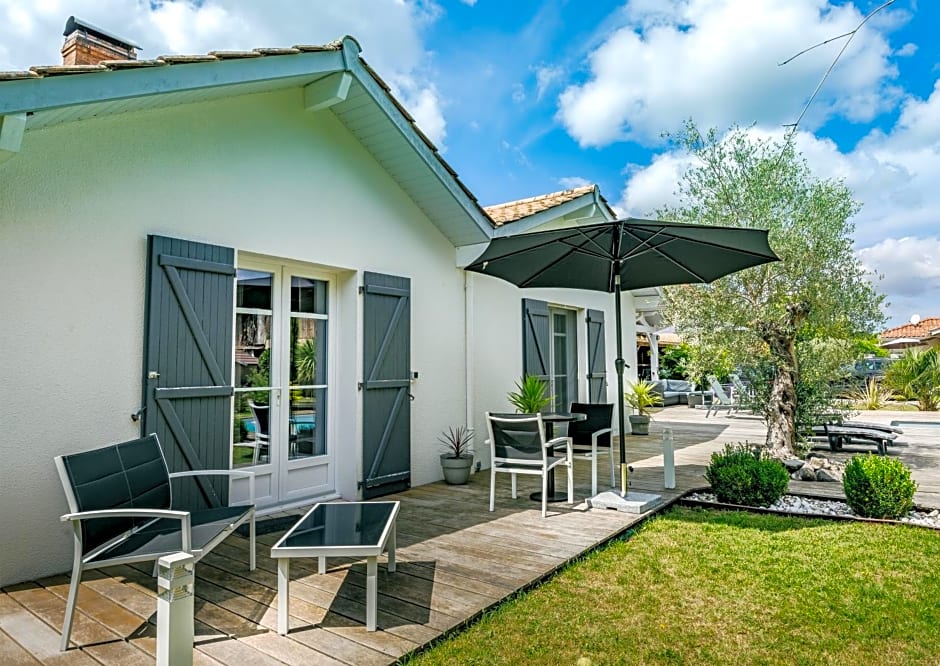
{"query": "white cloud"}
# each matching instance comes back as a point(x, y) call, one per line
point(573, 182)
point(717, 60)
point(390, 32)
point(911, 270)
point(892, 174)
point(546, 77)
point(908, 49)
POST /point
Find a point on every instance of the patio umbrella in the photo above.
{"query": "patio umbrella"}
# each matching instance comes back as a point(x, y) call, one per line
point(624, 254)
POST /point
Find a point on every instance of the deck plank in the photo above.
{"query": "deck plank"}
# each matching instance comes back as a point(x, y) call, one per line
point(455, 558)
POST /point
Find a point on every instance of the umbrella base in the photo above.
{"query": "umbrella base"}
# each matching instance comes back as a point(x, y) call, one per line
point(553, 496)
point(632, 503)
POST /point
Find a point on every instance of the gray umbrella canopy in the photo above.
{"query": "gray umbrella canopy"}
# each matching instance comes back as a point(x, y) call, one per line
point(625, 254)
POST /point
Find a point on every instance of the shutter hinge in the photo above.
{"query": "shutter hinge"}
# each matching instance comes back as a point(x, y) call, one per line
point(359, 386)
point(362, 290)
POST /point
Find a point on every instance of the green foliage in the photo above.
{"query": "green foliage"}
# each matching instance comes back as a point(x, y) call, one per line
point(878, 487)
point(746, 475)
point(916, 376)
point(870, 395)
point(866, 344)
point(530, 395)
point(641, 397)
point(305, 361)
point(819, 291)
point(456, 442)
point(816, 399)
point(673, 360)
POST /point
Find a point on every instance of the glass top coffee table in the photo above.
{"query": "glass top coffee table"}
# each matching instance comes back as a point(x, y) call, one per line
point(345, 529)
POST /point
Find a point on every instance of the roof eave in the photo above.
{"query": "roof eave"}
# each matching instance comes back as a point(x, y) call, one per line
point(529, 222)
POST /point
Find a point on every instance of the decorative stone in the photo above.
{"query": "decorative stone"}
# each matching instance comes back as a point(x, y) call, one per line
point(793, 464)
point(807, 473)
point(828, 475)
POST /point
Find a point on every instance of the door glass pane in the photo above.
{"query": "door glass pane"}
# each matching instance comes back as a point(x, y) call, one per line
point(308, 351)
point(253, 343)
point(307, 423)
point(560, 361)
point(254, 289)
point(250, 430)
point(308, 295)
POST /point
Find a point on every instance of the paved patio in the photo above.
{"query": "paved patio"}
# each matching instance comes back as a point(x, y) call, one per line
point(455, 559)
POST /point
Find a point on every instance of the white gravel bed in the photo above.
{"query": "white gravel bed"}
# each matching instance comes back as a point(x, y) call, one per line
point(797, 504)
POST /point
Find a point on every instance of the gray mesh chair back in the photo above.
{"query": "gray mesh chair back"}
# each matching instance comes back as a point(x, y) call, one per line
point(592, 437)
point(518, 437)
point(600, 416)
point(128, 475)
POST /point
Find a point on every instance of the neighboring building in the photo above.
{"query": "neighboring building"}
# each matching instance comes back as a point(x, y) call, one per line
point(258, 256)
point(923, 334)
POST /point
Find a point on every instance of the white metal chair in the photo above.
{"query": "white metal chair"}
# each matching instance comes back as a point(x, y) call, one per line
point(262, 438)
point(518, 446)
point(591, 437)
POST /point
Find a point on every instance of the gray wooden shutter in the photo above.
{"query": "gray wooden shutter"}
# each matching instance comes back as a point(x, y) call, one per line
point(187, 383)
point(597, 357)
point(536, 337)
point(386, 404)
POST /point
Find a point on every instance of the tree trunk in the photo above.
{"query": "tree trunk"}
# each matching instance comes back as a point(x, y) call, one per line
point(781, 412)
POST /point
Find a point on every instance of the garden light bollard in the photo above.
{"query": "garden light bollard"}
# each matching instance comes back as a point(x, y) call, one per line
point(175, 610)
point(669, 459)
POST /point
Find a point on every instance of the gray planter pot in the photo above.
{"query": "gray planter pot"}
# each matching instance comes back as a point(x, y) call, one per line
point(456, 470)
point(639, 425)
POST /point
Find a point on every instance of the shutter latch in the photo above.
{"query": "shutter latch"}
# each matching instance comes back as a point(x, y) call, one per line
point(153, 374)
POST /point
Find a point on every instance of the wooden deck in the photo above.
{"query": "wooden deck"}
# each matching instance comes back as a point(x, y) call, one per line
point(455, 559)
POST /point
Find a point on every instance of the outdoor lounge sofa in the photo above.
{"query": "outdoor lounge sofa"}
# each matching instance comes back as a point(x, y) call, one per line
point(675, 391)
point(120, 506)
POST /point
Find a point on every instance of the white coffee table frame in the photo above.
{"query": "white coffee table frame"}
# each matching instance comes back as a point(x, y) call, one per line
point(371, 552)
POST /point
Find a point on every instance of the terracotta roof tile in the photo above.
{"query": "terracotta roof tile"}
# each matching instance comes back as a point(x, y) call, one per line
point(921, 329)
point(516, 210)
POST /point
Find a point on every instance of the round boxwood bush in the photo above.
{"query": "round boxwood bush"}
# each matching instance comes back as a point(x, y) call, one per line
point(878, 487)
point(744, 475)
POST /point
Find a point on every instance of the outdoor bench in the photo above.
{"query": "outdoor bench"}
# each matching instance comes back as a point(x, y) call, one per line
point(120, 506)
point(839, 434)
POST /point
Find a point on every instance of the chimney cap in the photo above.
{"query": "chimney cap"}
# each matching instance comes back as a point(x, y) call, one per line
point(74, 24)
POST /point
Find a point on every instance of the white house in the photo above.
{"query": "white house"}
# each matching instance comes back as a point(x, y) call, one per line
point(258, 256)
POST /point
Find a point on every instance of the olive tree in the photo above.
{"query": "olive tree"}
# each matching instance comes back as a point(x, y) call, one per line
point(819, 289)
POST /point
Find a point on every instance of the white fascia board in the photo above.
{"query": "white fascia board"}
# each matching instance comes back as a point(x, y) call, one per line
point(52, 92)
point(403, 125)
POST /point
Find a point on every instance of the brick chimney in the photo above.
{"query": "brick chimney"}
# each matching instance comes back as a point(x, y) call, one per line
point(87, 45)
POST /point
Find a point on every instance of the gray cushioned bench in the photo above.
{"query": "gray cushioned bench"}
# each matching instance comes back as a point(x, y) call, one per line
point(120, 501)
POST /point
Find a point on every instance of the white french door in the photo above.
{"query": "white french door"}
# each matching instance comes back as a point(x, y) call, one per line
point(280, 425)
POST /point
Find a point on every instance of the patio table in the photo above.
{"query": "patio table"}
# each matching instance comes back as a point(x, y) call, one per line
point(343, 529)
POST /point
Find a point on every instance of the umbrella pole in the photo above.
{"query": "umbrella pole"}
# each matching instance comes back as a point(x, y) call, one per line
point(620, 363)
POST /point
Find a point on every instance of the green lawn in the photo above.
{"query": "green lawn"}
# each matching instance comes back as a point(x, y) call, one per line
point(711, 587)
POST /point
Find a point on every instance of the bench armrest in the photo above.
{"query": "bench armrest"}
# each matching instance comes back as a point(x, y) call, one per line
point(182, 516)
point(235, 473)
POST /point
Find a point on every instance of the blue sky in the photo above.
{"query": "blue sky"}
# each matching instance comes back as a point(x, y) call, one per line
point(531, 97)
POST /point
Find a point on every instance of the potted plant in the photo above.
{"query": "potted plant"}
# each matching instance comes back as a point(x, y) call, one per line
point(642, 398)
point(530, 396)
point(456, 454)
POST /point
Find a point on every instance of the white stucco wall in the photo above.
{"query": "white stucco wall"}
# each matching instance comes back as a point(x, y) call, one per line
point(256, 173)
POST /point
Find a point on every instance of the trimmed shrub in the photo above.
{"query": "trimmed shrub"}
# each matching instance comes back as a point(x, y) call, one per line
point(878, 487)
point(744, 475)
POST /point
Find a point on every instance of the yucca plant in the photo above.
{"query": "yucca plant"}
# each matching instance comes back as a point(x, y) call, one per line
point(642, 397)
point(916, 376)
point(530, 396)
point(871, 395)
